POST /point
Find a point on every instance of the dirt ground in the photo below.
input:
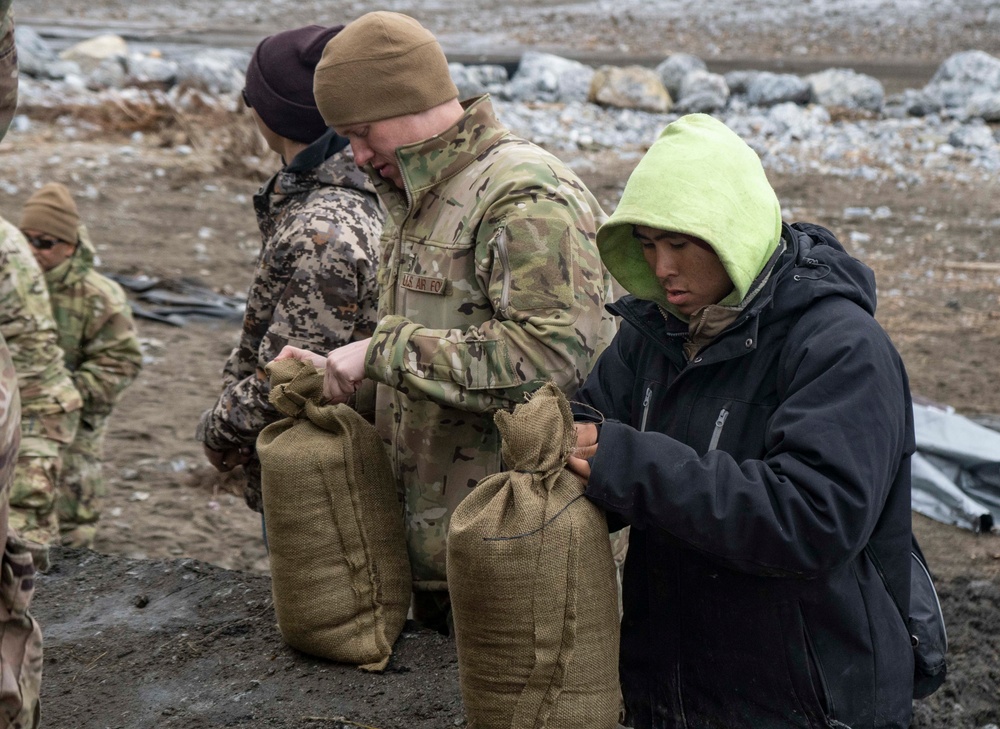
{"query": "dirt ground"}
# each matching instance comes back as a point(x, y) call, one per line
point(204, 650)
point(169, 623)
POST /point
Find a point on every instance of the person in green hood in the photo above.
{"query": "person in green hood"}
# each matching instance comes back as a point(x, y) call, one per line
point(99, 344)
point(752, 423)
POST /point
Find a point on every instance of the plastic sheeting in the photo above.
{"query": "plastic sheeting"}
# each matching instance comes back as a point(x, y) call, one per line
point(956, 469)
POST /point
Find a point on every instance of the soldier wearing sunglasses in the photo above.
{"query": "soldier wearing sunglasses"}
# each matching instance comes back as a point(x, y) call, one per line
point(99, 344)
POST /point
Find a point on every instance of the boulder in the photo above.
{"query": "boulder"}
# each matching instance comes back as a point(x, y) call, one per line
point(985, 105)
point(91, 53)
point(916, 102)
point(702, 91)
point(217, 70)
point(109, 74)
point(795, 122)
point(769, 89)
point(964, 75)
point(972, 136)
point(673, 70)
point(629, 87)
point(34, 56)
point(739, 81)
point(477, 80)
point(545, 77)
point(152, 69)
point(846, 88)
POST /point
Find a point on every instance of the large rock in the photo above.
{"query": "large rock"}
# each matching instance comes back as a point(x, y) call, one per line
point(152, 69)
point(985, 105)
point(769, 89)
point(962, 76)
point(791, 121)
point(218, 70)
point(739, 81)
point(972, 136)
point(629, 87)
point(846, 88)
point(545, 77)
point(33, 54)
point(109, 74)
point(91, 53)
point(916, 102)
point(702, 91)
point(477, 80)
point(674, 68)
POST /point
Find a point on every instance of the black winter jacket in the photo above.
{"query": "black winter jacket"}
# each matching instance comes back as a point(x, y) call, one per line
point(768, 462)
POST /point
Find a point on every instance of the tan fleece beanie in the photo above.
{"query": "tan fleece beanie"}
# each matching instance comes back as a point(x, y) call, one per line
point(380, 66)
point(52, 210)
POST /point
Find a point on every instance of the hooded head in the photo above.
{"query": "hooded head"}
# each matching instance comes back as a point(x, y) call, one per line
point(702, 180)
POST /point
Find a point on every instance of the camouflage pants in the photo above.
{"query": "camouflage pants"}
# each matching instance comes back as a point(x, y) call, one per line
point(81, 485)
point(33, 499)
point(20, 640)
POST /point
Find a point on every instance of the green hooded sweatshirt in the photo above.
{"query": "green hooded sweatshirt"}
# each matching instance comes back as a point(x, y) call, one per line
point(701, 179)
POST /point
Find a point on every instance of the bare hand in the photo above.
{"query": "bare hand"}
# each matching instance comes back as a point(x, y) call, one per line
point(289, 352)
point(586, 447)
point(345, 371)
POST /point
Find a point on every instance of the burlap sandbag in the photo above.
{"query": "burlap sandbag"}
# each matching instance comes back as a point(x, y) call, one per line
point(340, 574)
point(533, 587)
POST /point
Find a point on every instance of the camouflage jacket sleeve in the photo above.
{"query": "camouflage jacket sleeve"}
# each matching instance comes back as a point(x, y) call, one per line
point(314, 288)
point(46, 389)
point(547, 285)
point(8, 67)
point(110, 356)
point(10, 430)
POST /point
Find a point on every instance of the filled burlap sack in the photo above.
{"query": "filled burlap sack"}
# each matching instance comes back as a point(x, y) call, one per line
point(340, 574)
point(532, 584)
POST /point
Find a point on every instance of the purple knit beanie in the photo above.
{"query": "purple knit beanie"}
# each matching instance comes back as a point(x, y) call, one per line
point(279, 82)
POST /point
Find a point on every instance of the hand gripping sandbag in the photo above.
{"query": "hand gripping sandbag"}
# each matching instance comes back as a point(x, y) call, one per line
point(340, 574)
point(532, 585)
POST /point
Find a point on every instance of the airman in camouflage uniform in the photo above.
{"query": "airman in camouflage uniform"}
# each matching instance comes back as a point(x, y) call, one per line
point(320, 220)
point(99, 344)
point(490, 279)
point(50, 403)
point(20, 636)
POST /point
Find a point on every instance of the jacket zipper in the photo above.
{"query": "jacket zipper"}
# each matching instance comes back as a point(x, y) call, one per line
point(396, 264)
point(645, 409)
point(719, 424)
point(501, 242)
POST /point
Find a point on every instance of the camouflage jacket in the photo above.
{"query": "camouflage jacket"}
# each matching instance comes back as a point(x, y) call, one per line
point(96, 334)
point(490, 285)
point(50, 403)
point(314, 286)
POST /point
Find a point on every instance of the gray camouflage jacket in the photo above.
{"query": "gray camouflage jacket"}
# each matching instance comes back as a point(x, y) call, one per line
point(490, 285)
point(314, 287)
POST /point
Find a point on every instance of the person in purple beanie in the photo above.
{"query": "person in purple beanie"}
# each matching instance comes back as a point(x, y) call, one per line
point(320, 222)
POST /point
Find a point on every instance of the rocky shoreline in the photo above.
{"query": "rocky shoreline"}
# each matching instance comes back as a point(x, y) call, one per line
point(834, 122)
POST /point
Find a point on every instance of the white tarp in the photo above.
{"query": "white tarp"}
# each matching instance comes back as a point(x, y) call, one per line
point(956, 469)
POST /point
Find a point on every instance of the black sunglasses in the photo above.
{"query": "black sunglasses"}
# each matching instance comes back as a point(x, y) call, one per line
point(243, 93)
point(42, 244)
